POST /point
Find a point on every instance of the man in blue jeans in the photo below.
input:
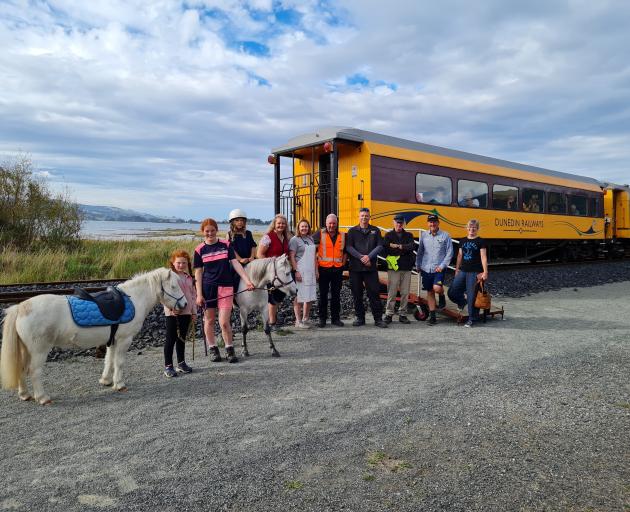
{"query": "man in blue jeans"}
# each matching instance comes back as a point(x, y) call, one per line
point(471, 267)
point(435, 250)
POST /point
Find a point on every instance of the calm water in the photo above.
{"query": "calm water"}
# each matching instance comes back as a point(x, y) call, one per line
point(112, 230)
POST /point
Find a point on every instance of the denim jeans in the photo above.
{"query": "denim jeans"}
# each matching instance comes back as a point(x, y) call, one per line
point(465, 283)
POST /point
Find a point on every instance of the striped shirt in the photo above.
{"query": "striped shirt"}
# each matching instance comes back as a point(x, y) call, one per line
point(215, 261)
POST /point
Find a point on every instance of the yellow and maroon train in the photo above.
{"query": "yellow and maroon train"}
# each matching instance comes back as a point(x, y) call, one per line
point(524, 211)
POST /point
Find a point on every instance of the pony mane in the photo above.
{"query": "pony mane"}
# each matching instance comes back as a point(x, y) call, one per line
point(153, 277)
point(257, 269)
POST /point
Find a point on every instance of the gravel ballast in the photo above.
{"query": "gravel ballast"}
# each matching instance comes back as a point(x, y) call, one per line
point(530, 413)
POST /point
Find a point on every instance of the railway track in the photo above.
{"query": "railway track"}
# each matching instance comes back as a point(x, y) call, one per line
point(8, 294)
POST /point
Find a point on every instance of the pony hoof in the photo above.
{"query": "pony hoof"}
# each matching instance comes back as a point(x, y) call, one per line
point(275, 353)
point(45, 401)
point(105, 382)
point(26, 398)
point(122, 389)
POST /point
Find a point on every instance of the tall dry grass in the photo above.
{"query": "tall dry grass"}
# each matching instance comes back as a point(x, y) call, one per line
point(92, 259)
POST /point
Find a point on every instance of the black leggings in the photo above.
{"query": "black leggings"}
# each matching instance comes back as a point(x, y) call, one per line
point(173, 325)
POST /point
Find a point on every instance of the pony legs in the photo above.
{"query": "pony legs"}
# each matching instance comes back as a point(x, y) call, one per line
point(114, 360)
point(265, 315)
point(119, 354)
point(245, 329)
point(106, 377)
point(37, 364)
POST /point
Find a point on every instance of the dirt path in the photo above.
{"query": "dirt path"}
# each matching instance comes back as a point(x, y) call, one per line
point(530, 413)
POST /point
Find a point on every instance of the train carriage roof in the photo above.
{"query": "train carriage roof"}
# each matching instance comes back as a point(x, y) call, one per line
point(355, 136)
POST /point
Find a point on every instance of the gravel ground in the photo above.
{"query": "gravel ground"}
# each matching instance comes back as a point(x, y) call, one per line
point(530, 413)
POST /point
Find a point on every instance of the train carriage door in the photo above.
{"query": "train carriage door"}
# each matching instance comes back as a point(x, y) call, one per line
point(622, 213)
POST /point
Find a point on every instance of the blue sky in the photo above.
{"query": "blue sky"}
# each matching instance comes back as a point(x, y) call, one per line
point(172, 107)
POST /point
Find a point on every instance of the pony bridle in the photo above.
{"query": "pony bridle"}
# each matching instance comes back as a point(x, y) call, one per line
point(177, 304)
point(277, 278)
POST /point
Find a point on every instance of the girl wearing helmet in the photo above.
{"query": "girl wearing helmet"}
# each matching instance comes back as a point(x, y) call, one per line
point(241, 238)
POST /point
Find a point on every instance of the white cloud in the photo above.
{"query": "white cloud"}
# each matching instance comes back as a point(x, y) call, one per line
point(157, 105)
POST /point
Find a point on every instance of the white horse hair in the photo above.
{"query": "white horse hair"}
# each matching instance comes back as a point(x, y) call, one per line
point(36, 325)
point(275, 272)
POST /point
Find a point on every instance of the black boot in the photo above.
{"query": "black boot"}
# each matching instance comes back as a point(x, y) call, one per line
point(432, 320)
point(441, 301)
point(230, 356)
point(215, 355)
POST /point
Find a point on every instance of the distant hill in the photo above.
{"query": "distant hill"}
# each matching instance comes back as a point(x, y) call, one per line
point(111, 213)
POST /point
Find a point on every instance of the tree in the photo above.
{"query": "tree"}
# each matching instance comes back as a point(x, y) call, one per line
point(30, 213)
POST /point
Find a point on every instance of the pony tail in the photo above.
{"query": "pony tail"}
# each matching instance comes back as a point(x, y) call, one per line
point(13, 353)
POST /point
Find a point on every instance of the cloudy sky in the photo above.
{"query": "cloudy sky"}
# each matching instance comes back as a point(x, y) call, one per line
point(172, 107)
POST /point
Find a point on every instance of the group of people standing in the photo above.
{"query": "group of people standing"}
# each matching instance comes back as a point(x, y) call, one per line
point(318, 260)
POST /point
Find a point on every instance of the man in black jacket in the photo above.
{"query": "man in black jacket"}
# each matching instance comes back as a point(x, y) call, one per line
point(400, 258)
point(363, 244)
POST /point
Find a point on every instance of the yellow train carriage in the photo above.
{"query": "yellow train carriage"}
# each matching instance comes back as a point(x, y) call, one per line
point(523, 210)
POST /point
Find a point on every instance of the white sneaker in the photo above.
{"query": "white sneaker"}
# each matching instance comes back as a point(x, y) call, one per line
point(298, 324)
point(307, 323)
point(304, 326)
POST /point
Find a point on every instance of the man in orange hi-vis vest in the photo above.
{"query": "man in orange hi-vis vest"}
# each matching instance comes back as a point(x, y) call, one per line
point(331, 258)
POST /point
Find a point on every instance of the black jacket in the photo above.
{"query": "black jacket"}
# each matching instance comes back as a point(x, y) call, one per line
point(358, 242)
point(407, 258)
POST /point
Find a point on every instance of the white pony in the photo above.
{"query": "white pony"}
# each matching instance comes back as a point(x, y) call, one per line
point(265, 273)
point(33, 327)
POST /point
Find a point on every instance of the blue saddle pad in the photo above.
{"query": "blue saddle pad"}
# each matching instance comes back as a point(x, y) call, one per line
point(86, 313)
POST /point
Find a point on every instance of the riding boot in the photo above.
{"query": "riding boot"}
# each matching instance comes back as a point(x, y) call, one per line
point(229, 355)
point(215, 355)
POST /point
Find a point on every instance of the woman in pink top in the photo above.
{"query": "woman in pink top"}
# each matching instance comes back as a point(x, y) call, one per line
point(179, 320)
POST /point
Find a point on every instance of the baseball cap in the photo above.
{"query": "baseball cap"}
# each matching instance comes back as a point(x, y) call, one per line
point(399, 218)
point(433, 218)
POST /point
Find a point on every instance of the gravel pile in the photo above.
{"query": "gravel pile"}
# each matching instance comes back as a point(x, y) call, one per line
point(503, 283)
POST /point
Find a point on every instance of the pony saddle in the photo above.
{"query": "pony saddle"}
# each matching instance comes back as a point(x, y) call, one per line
point(110, 302)
point(102, 308)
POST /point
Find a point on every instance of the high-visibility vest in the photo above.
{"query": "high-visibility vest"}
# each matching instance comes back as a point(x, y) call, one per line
point(331, 255)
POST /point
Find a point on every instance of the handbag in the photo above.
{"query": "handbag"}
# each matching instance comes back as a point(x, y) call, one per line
point(483, 298)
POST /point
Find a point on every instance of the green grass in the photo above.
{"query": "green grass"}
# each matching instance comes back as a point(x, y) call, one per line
point(293, 485)
point(93, 259)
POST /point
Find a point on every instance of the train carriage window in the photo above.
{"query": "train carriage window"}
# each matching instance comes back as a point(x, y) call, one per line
point(433, 189)
point(472, 194)
point(577, 205)
point(593, 207)
point(557, 202)
point(533, 200)
point(504, 197)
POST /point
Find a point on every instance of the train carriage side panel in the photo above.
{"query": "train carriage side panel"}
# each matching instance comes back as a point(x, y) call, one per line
point(394, 191)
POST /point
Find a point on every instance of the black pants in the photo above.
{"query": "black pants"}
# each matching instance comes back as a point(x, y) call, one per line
point(173, 325)
point(372, 287)
point(330, 279)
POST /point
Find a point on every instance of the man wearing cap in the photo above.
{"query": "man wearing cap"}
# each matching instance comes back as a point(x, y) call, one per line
point(400, 258)
point(363, 244)
point(435, 251)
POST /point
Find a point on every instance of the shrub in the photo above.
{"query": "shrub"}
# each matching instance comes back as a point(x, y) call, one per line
point(30, 213)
